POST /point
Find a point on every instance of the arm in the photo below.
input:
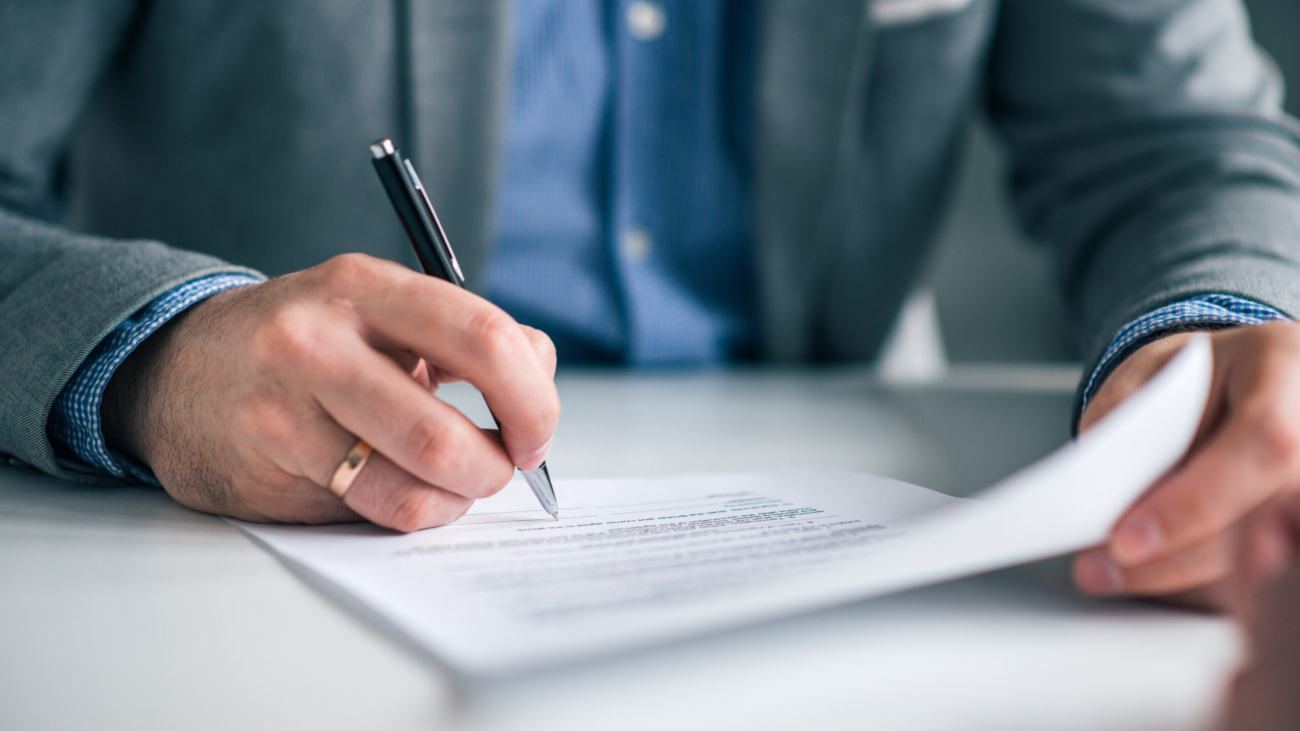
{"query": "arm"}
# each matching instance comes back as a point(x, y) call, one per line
point(245, 403)
point(61, 292)
point(1151, 154)
point(75, 421)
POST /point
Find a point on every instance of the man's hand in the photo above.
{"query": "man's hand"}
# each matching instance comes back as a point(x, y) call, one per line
point(246, 404)
point(1176, 541)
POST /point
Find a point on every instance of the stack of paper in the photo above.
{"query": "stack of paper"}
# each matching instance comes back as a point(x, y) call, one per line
point(638, 561)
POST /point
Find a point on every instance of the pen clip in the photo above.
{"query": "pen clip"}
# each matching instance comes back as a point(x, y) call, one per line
point(433, 216)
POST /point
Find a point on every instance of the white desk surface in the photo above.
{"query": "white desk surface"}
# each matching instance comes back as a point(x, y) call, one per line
point(120, 609)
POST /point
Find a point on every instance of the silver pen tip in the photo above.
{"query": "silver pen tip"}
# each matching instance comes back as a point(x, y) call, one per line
point(556, 515)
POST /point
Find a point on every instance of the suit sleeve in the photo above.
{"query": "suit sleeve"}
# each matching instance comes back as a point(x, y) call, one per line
point(61, 292)
point(1150, 152)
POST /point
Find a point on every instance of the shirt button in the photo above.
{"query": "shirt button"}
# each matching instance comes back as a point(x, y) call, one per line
point(637, 244)
point(646, 20)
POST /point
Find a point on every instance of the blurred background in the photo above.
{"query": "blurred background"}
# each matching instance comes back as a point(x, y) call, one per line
point(981, 242)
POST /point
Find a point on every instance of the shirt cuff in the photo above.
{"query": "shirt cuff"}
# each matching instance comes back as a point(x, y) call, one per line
point(74, 420)
point(1206, 312)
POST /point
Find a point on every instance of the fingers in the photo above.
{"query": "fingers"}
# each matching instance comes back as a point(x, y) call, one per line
point(1206, 563)
point(1248, 462)
point(1252, 455)
point(469, 337)
point(540, 341)
point(309, 446)
point(1246, 451)
point(375, 399)
point(387, 495)
point(1215, 489)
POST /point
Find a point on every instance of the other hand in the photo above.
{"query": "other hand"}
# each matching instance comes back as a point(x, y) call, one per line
point(1176, 542)
point(245, 404)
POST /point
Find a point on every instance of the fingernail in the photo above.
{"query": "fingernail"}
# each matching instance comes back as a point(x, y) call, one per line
point(1097, 574)
point(537, 458)
point(1137, 539)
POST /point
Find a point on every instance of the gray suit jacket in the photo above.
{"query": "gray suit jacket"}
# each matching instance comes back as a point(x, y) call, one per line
point(146, 143)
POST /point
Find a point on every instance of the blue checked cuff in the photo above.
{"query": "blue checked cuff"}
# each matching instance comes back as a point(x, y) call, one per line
point(74, 420)
point(1209, 311)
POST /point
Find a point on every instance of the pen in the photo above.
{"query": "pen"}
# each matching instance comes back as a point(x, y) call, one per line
point(437, 259)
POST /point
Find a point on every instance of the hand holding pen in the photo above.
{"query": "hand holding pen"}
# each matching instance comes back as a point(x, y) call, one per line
point(411, 202)
point(254, 401)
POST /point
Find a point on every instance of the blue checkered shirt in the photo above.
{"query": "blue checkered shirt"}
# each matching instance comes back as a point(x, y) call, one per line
point(623, 225)
point(74, 420)
point(1206, 312)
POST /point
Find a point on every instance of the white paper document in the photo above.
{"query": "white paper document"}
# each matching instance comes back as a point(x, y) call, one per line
point(634, 562)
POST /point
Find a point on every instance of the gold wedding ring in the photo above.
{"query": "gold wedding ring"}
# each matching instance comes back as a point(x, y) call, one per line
point(350, 467)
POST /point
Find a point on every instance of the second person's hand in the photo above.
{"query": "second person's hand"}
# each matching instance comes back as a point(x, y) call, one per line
point(246, 404)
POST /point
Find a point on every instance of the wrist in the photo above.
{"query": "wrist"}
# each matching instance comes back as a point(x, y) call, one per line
point(128, 410)
point(1204, 312)
point(76, 416)
point(1129, 374)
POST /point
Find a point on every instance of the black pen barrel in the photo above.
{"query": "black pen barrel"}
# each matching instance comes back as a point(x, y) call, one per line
point(402, 194)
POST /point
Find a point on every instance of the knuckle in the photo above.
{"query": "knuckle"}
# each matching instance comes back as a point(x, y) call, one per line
point(417, 509)
point(495, 335)
point(347, 276)
point(346, 272)
point(288, 334)
point(541, 342)
point(423, 508)
point(440, 448)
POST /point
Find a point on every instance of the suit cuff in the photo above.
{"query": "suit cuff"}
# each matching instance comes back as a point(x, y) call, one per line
point(1206, 312)
point(74, 420)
